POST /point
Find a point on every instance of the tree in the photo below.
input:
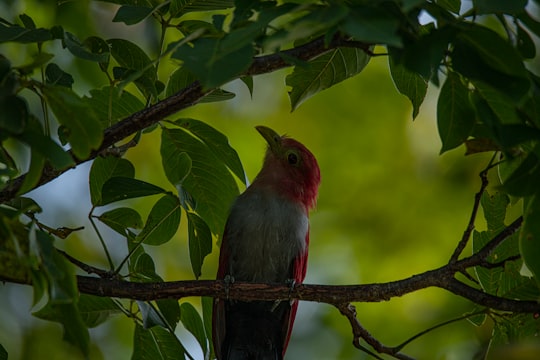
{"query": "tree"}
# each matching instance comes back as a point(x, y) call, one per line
point(481, 56)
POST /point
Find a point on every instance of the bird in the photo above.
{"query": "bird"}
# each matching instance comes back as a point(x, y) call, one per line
point(265, 240)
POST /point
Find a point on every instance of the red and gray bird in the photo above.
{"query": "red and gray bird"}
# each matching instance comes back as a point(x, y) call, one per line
point(266, 240)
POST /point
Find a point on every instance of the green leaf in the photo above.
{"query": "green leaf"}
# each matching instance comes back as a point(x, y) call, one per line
point(207, 308)
point(455, 115)
point(482, 55)
point(523, 181)
point(84, 130)
point(112, 104)
point(200, 242)
point(450, 5)
point(104, 168)
point(217, 142)
point(408, 83)
point(122, 188)
point(62, 289)
point(215, 62)
point(209, 182)
point(324, 72)
point(132, 14)
point(181, 7)
point(121, 219)
point(95, 310)
point(13, 114)
point(45, 146)
point(525, 44)
point(150, 316)
point(82, 51)
point(529, 237)
point(162, 222)
point(3, 353)
point(155, 344)
point(170, 310)
point(56, 76)
point(16, 33)
point(31, 179)
point(372, 25)
point(182, 78)
point(131, 57)
point(513, 7)
point(193, 323)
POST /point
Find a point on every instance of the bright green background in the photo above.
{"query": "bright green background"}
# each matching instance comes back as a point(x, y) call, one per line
point(389, 205)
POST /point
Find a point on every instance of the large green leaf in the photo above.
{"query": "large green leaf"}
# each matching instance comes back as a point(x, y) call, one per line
point(63, 293)
point(455, 115)
point(193, 323)
point(162, 222)
point(408, 83)
point(136, 65)
point(529, 237)
point(180, 7)
point(84, 130)
point(121, 219)
point(112, 104)
point(210, 183)
point(16, 33)
point(372, 25)
point(324, 72)
point(182, 78)
point(499, 6)
point(95, 310)
point(123, 188)
point(200, 242)
point(104, 168)
point(155, 344)
point(84, 50)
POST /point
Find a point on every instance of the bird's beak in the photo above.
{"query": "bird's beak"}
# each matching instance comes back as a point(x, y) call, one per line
point(272, 138)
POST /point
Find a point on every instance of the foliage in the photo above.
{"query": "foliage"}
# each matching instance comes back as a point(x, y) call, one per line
point(489, 100)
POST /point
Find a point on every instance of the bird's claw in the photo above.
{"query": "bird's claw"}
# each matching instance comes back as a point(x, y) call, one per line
point(228, 280)
point(292, 284)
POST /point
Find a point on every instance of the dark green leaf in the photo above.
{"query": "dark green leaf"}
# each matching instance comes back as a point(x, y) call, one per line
point(13, 114)
point(215, 62)
point(155, 344)
point(112, 104)
point(3, 353)
point(81, 50)
point(95, 310)
point(217, 143)
point(450, 5)
point(525, 44)
point(140, 68)
point(408, 83)
point(180, 7)
point(182, 78)
point(523, 181)
point(142, 267)
point(532, 24)
point(150, 316)
point(170, 310)
point(207, 308)
point(121, 188)
point(27, 21)
point(499, 6)
point(71, 111)
point(209, 182)
point(104, 168)
point(56, 76)
point(132, 14)
point(455, 115)
point(529, 237)
point(121, 219)
point(193, 323)
point(372, 25)
point(31, 179)
point(162, 222)
point(16, 33)
point(324, 72)
point(200, 242)
point(24, 205)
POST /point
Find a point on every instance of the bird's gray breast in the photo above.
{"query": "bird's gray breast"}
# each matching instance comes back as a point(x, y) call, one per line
point(265, 234)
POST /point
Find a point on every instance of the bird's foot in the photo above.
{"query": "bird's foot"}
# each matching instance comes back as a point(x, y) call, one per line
point(292, 284)
point(228, 280)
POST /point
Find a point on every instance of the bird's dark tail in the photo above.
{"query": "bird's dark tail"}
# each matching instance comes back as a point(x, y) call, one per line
point(255, 330)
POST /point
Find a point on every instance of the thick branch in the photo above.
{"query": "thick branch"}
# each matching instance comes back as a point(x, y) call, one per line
point(185, 98)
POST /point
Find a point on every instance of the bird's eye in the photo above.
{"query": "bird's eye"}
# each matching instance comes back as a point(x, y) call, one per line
point(292, 158)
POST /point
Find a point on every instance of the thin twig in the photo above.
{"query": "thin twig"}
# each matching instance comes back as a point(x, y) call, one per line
point(349, 311)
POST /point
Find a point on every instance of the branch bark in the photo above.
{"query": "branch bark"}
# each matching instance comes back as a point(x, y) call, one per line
point(185, 98)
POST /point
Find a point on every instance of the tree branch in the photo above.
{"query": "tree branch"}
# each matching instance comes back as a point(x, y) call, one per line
point(185, 98)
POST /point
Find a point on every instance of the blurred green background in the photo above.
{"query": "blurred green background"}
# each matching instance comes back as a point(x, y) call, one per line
point(389, 205)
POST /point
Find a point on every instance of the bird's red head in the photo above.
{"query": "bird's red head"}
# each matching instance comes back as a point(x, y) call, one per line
point(289, 168)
